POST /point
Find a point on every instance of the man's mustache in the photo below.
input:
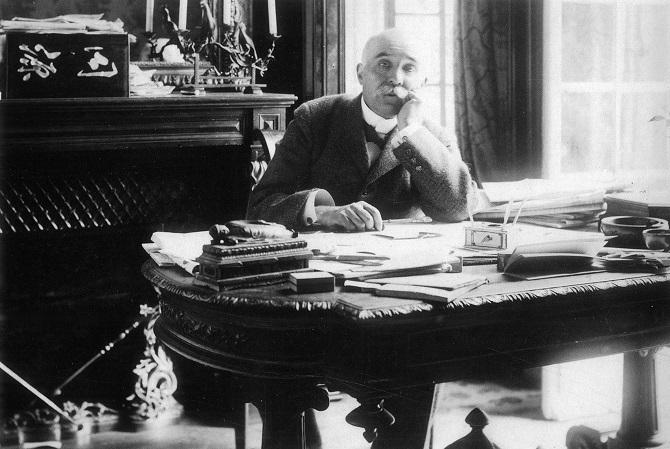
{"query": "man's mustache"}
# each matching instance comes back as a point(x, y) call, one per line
point(395, 89)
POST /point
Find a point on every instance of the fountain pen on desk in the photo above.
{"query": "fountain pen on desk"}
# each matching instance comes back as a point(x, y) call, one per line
point(349, 257)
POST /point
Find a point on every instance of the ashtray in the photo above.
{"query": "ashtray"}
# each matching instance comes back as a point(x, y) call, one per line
point(657, 239)
point(628, 229)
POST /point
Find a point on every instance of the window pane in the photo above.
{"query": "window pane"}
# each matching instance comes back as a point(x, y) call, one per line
point(643, 143)
point(413, 6)
point(432, 99)
point(588, 38)
point(427, 30)
point(588, 133)
point(362, 19)
point(647, 41)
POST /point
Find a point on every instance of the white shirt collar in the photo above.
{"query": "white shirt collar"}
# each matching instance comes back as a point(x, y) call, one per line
point(379, 123)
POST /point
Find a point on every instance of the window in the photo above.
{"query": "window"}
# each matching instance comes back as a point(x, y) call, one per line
point(607, 73)
point(432, 20)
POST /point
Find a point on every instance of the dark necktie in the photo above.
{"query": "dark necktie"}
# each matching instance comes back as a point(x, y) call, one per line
point(372, 136)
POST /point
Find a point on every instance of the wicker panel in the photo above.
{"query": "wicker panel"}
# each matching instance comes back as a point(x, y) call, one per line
point(88, 201)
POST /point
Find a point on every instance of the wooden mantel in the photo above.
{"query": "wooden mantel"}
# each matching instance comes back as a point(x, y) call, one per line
point(175, 121)
point(141, 161)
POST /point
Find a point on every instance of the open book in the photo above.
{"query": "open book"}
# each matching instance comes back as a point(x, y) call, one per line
point(553, 259)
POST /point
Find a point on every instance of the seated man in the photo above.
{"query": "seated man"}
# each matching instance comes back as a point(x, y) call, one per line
point(346, 163)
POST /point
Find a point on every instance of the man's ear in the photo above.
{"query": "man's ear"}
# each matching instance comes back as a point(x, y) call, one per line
point(359, 72)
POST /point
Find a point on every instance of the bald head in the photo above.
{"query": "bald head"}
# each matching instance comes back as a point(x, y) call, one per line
point(390, 59)
point(391, 40)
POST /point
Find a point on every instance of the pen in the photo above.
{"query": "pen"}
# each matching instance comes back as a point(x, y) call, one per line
point(349, 257)
point(469, 288)
point(409, 220)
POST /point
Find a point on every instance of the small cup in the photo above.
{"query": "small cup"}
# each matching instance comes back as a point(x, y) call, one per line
point(657, 239)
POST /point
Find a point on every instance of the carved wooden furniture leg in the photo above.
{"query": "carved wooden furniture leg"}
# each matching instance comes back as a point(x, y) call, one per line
point(639, 415)
point(152, 402)
point(476, 439)
point(371, 416)
point(288, 421)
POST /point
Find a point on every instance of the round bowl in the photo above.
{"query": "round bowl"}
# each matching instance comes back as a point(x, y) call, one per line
point(628, 229)
point(657, 239)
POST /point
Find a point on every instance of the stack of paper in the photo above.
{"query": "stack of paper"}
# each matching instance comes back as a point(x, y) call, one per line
point(557, 204)
point(65, 23)
point(639, 204)
point(179, 248)
point(142, 85)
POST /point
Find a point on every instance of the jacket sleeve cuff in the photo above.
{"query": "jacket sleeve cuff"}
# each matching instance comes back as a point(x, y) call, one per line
point(316, 197)
point(404, 134)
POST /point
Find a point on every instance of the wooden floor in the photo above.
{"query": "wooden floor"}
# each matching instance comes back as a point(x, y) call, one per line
point(514, 408)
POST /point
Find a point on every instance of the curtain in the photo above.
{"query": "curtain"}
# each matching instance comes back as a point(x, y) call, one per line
point(497, 77)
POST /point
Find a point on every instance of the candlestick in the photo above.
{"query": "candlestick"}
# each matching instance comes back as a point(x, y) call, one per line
point(183, 5)
point(226, 12)
point(149, 19)
point(272, 17)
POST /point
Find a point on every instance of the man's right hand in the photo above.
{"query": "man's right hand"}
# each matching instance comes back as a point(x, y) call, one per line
point(359, 216)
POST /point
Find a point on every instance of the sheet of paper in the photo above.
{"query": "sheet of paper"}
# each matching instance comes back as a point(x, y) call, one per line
point(186, 246)
point(447, 281)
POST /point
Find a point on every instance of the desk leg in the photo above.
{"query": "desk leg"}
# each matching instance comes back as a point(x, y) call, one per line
point(639, 415)
point(288, 418)
point(153, 403)
point(372, 417)
point(401, 420)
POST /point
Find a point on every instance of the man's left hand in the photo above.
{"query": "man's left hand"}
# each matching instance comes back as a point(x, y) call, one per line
point(411, 113)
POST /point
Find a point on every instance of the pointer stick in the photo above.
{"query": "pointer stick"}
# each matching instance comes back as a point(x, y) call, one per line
point(34, 391)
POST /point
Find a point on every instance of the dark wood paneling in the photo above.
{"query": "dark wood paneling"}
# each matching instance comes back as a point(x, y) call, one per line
point(324, 48)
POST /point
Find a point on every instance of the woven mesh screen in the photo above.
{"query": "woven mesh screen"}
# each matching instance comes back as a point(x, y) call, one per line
point(56, 203)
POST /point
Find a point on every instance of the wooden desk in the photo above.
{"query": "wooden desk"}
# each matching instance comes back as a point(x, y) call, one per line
point(294, 342)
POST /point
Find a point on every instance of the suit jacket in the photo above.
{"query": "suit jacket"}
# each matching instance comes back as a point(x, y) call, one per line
point(324, 147)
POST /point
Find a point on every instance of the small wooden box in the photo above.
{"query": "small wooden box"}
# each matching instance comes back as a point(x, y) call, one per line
point(312, 282)
point(63, 65)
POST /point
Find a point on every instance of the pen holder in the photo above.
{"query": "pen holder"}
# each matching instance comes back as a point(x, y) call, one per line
point(486, 235)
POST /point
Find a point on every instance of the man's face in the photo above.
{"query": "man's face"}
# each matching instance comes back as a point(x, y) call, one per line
point(388, 62)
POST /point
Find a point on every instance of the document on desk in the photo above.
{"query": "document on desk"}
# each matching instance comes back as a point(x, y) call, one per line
point(181, 248)
point(444, 281)
point(428, 294)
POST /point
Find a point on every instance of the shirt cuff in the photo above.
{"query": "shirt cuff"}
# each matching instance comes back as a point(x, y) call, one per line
point(316, 197)
point(403, 134)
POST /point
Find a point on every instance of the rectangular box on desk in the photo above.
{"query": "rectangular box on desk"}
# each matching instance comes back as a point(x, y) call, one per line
point(312, 282)
point(63, 65)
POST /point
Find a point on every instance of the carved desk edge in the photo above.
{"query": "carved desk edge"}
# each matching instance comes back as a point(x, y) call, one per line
point(186, 289)
point(629, 283)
